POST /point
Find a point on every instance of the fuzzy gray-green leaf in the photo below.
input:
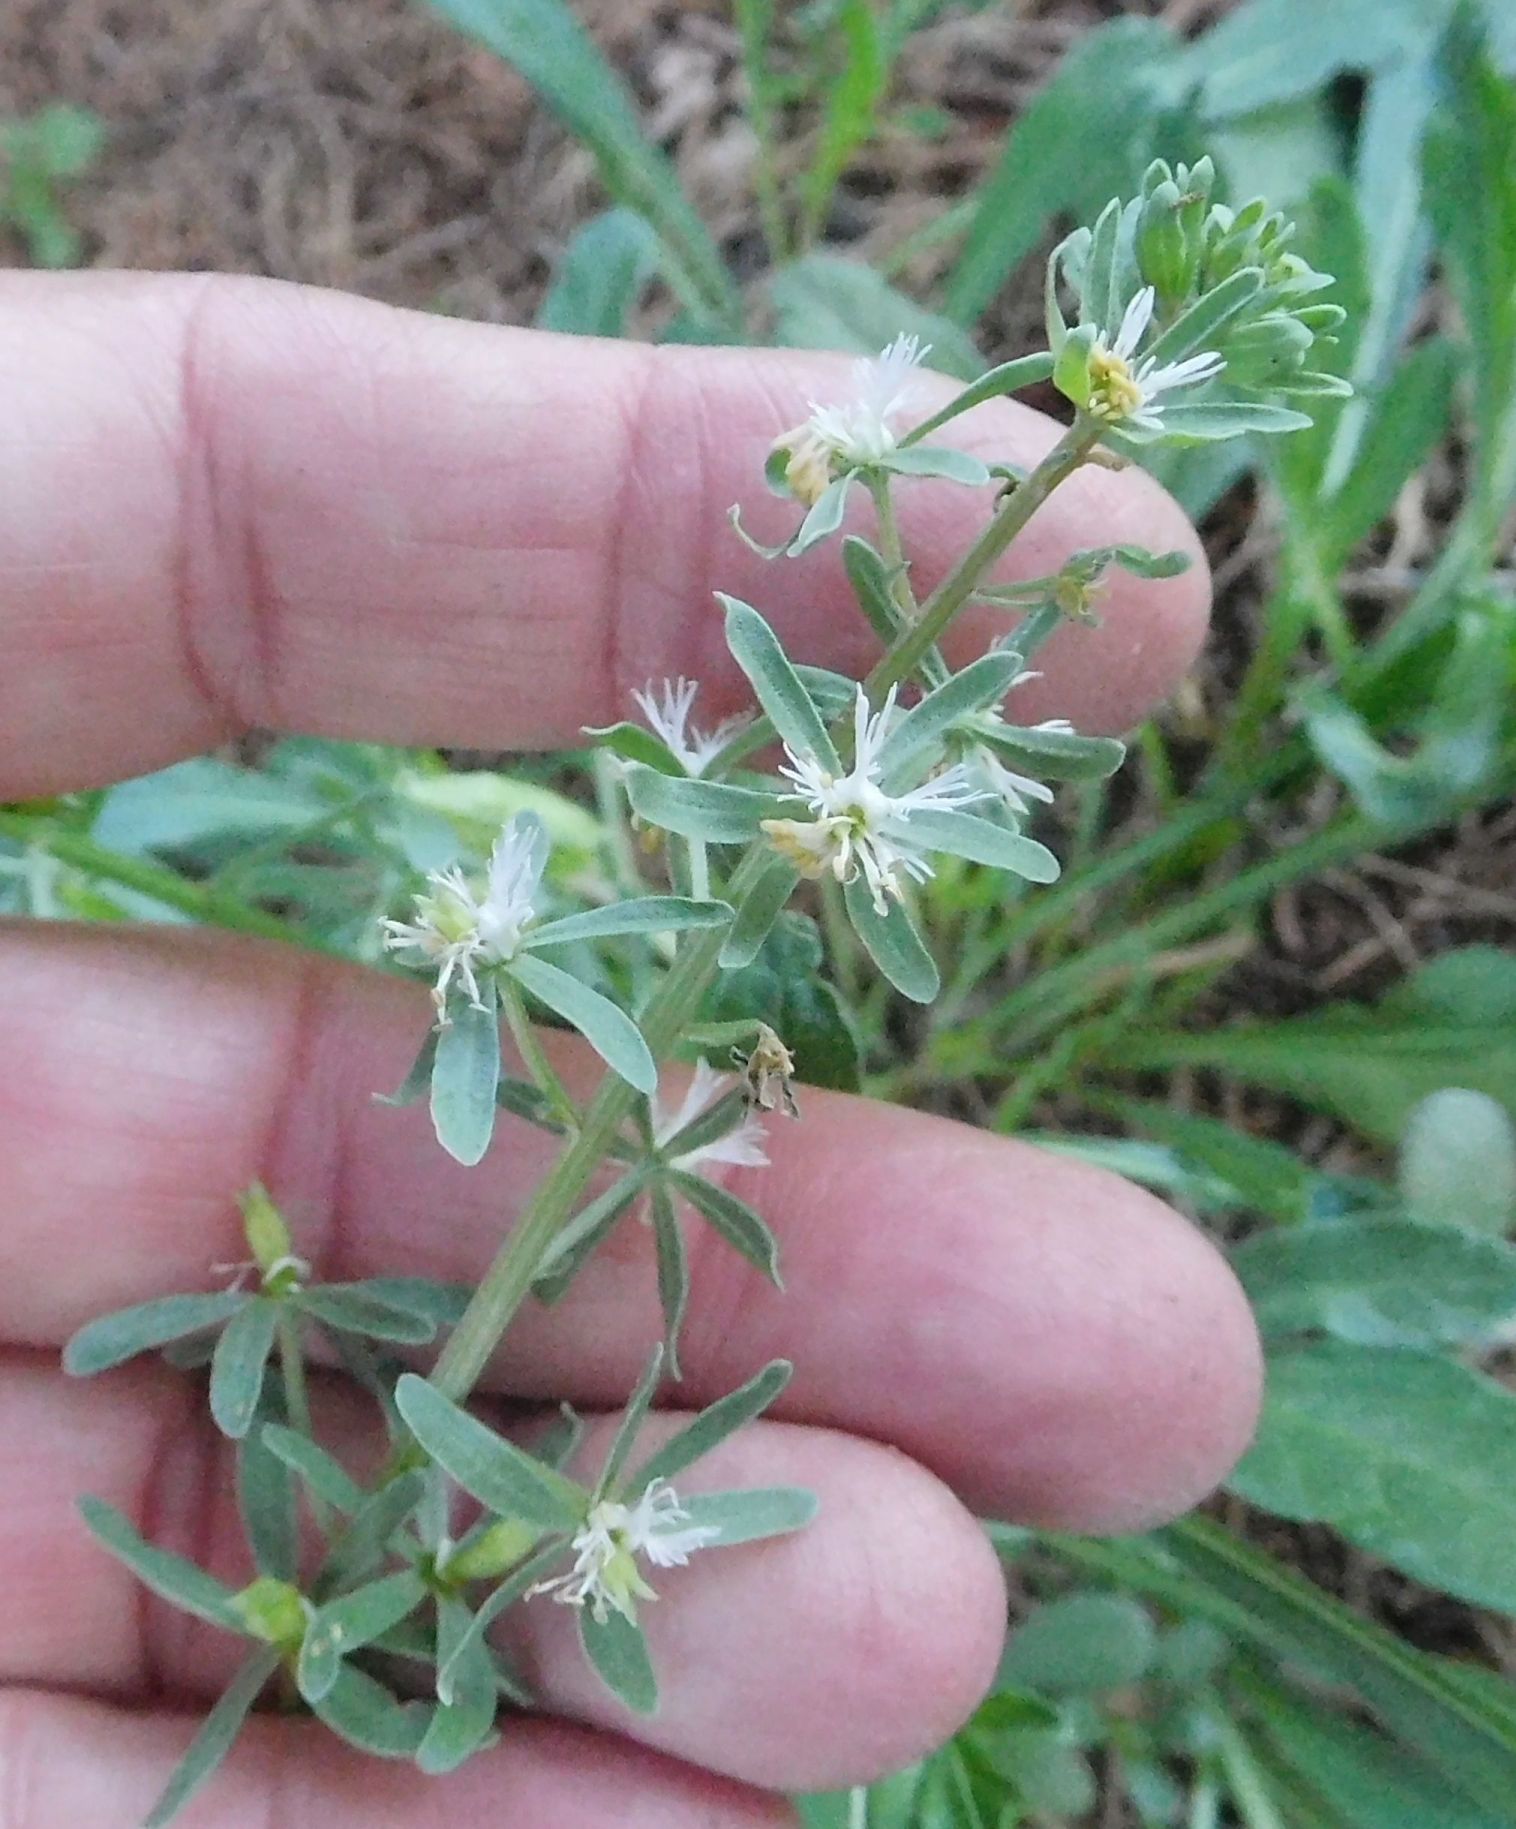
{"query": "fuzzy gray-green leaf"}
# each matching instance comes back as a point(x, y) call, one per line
point(113, 1339)
point(712, 1426)
point(239, 1363)
point(495, 1471)
point(215, 1738)
point(465, 1074)
point(618, 1653)
point(607, 1028)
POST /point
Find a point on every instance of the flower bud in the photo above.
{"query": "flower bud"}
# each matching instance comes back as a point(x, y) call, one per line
point(494, 1551)
point(1166, 254)
point(275, 1612)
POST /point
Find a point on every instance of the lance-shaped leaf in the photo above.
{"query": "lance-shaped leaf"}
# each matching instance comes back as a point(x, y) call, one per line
point(239, 1363)
point(635, 743)
point(324, 1476)
point(873, 583)
point(266, 1498)
point(939, 461)
point(618, 1653)
point(356, 1309)
point(982, 841)
point(365, 1714)
point(915, 739)
point(632, 1419)
point(673, 1272)
point(170, 1577)
point(711, 811)
point(1198, 328)
point(512, 1589)
point(750, 1515)
point(1007, 378)
point(608, 1030)
point(441, 1303)
point(711, 1427)
point(114, 1339)
point(737, 1223)
point(1060, 755)
point(823, 519)
point(350, 1622)
point(761, 907)
point(756, 649)
point(462, 1726)
point(498, 1474)
point(653, 914)
point(1202, 424)
point(584, 1234)
point(465, 1073)
point(367, 1537)
point(215, 1738)
point(893, 943)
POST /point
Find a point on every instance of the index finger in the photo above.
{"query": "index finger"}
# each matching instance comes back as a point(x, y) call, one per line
point(228, 503)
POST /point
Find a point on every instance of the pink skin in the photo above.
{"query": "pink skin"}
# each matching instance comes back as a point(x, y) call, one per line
point(226, 503)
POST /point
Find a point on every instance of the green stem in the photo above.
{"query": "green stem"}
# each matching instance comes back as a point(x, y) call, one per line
point(201, 901)
point(956, 589)
point(297, 1404)
point(534, 1056)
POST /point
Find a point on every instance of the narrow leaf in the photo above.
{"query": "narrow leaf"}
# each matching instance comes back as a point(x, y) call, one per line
point(618, 1652)
point(170, 1577)
point(982, 841)
point(495, 1471)
point(756, 649)
point(608, 1030)
point(673, 1272)
point(738, 1224)
point(465, 1074)
point(357, 1310)
point(365, 1714)
point(462, 1726)
point(113, 1339)
point(351, 1621)
point(1007, 378)
point(983, 683)
point(632, 1419)
point(239, 1363)
point(660, 914)
point(761, 907)
point(321, 1473)
point(266, 1500)
point(708, 810)
point(750, 1515)
point(215, 1738)
point(712, 1426)
point(511, 1590)
point(892, 943)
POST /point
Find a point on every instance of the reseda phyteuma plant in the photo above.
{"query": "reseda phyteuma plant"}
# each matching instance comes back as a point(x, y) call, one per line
point(1190, 322)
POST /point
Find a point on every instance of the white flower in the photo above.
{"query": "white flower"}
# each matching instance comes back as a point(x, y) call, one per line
point(1124, 394)
point(458, 930)
point(858, 828)
point(1013, 789)
point(742, 1147)
point(668, 717)
point(605, 1572)
point(858, 430)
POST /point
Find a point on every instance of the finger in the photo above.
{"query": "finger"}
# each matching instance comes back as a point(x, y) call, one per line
point(65, 1760)
point(1055, 1343)
point(227, 503)
point(891, 1597)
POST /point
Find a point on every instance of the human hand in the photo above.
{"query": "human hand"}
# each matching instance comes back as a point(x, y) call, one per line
point(226, 504)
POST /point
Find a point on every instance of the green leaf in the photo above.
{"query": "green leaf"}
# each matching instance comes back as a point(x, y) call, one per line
point(1458, 1163)
point(708, 810)
point(673, 1271)
point(982, 841)
point(461, 1727)
point(761, 907)
point(1199, 327)
point(1082, 1644)
point(939, 461)
point(742, 1228)
point(239, 1363)
point(712, 1426)
point(915, 739)
point(1005, 378)
point(1056, 755)
point(635, 743)
point(325, 1477)
point(1407, 1454)
point(893, 944)
point(602, 276)
point(1379, 1282)
point(784, 987)
point(753, 1514)
point(355, 1309)
point(365, 1714)
point(1450, 1024)
point(1223, 418)
point(756, 650)
point(873, 585)
point(465, 1073)
point(113, 1339)
point(584, 1233)
point(1197, 1568)
point(495, 1471)
point(653, 914)
point(350, 1622)
point(453, 1666)
point(366, 1540)
point(215, 1738)
point(618, 1653)
point(822, 518)
point(266, 1500)
point(1275, 50)
point(169, 1576)
point(608, 1030)
point(827, 302)
point(552, 50)
point(632, 1419)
